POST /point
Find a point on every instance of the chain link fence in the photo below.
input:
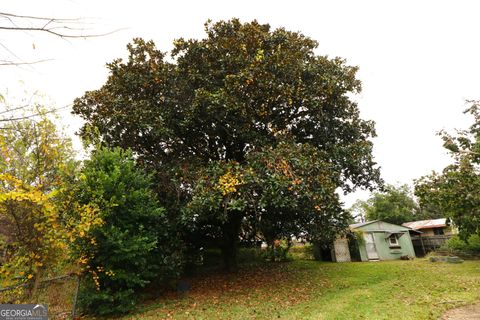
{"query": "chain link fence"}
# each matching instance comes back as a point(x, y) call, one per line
point(59, 293)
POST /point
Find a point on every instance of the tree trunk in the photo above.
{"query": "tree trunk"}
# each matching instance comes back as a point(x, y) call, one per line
point(36, 283)
point(229, 247)
point(229, 253)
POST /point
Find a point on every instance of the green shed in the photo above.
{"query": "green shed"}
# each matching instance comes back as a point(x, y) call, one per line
point(383, 241)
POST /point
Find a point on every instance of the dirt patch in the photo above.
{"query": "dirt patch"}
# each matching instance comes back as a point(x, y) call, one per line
point(463, 313)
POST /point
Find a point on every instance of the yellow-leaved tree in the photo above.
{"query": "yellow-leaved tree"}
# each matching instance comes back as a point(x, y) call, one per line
point(36, 166)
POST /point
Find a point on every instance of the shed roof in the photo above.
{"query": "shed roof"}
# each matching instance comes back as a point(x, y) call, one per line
point(379, 226)
point(361, 224)
point(426, 224)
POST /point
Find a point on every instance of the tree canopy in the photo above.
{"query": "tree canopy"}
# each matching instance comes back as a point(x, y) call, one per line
point(455, 191)
point(35, 152)
point(277, 193)
point(394, 204)
point(242, 90)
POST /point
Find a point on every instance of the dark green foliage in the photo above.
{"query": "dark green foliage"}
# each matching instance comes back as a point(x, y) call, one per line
point(228, 94)
point(295, 192)
point(221, 102)
point(394, 204)
point(459, 246)
point(277, 193)
point(355, 240)
point(134, 244)
point(456, 191)
point(322, 251)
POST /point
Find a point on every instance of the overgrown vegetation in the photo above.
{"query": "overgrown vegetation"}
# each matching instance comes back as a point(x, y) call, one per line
point(456, 245)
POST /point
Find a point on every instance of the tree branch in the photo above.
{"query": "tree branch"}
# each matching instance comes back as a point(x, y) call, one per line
point(12, 15)
point(34, 114)
point(58, 34)
point(13, 63)
point(63, 28)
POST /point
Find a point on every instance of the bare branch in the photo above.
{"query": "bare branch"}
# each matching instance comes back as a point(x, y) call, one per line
point(9, 51)
point(35, 114)
point(64, 28)
point(58, 34)
point(10, 108)
point(12, 15)
point(15, 109)
point(13, 63)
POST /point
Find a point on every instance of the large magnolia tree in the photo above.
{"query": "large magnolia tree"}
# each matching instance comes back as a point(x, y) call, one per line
point(221, 101)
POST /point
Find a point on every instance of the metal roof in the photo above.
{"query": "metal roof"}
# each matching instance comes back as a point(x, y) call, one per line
point(426, 224)
point(361, 224)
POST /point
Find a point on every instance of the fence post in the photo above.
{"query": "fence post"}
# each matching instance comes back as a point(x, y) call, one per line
point(75, 297)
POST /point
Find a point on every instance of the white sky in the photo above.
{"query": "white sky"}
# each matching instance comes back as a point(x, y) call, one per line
point(419, 60)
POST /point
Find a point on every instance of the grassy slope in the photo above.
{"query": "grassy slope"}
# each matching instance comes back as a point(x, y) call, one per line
point(311, 290)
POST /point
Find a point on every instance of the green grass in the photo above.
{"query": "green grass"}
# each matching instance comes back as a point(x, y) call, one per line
point(416, 289)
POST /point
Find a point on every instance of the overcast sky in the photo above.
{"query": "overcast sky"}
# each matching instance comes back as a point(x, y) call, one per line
point(419, 60)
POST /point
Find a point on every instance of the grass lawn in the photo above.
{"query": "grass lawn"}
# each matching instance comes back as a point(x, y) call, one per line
point(303, 289)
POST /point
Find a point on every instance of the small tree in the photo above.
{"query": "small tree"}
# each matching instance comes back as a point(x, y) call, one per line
point(456, 190)
point(32, 226)
point(395, 204)
point(34, 158)
point(133, 245)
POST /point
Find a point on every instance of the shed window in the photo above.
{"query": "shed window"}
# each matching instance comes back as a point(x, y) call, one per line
point(438, 231)
point(393, 240)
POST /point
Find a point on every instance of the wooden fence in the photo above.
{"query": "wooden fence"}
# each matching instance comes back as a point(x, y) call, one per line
point(426, 244)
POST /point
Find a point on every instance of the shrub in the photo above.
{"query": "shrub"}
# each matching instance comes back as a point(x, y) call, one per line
point(455, 244)
point(279, 251)
point(133, 245)
point(304, 252)
point(472, 245)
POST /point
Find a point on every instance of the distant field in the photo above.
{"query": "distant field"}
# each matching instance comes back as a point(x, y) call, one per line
point(313, 290)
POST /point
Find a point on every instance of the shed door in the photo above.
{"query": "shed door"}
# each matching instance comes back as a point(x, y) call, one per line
point(370, 246)
point(342, 253)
